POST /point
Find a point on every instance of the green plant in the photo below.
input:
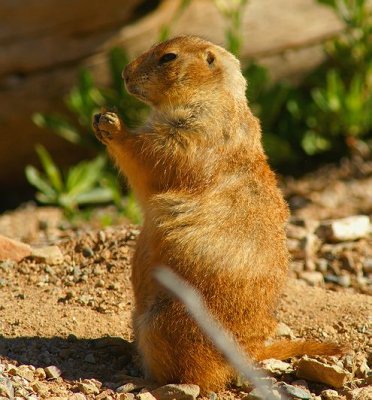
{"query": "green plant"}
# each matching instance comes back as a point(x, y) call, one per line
point(165, 30)
point(83, 101)
point(82, 184)
point(314, 121)
point(232, 10)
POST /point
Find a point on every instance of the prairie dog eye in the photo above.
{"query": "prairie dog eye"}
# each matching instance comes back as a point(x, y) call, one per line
point(167, 57)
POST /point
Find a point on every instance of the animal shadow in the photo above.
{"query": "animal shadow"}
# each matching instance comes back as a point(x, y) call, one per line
point(104, 359)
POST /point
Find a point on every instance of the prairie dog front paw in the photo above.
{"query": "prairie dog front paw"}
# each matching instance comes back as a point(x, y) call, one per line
point(107, 126)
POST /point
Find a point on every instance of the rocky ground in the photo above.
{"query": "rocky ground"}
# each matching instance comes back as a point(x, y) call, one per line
point(65, 304)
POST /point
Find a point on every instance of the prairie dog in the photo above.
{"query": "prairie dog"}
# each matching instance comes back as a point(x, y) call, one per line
point(212, 211)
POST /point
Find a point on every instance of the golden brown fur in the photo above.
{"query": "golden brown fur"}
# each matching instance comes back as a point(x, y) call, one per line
point(212, 211)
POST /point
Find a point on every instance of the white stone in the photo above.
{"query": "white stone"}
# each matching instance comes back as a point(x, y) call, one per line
point(176, 392)
point(341, 230)
point(145, 396)
point(284, 330)
point(276, 366)
point(313, 278)
point(49, 254)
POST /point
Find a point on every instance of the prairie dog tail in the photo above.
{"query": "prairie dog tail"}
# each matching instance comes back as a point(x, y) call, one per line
point(284, 349)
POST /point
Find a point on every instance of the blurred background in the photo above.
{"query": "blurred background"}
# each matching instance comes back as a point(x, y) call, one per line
point(308, 64)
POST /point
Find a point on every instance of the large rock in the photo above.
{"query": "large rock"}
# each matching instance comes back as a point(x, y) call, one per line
point(314, 370)
point(13, 250)
point(40, 50)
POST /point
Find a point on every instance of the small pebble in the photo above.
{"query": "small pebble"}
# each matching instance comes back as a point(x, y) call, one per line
point(126, 396)
point(89, 358)
point(284, 330)
point(77, 396)
point(322, 265)
point(87, 388)
point(102, 236)
point(145, 396)
point(104, 396)
point(329, 394)
point(294, 392)
point(25, 372)
point(364, 393)
point(367, 265)
point(312, 278)
point(276, 366)
point(128, 387)
point(7, 264)
point(39, 388)
point(177, 392)
point(52, 372)
point(49, 255)
point(302, 383)
point(266, 381)
point(6, 388)
point(87, 252)
point(344, 280)
point(256, 395)
point(100, 283)
point(12, 370)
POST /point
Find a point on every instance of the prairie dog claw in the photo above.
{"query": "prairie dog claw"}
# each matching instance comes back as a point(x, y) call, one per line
point(107, 126)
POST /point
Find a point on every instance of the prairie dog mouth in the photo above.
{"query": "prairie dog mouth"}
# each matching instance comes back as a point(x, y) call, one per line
point(136, 90)
point(134, 86)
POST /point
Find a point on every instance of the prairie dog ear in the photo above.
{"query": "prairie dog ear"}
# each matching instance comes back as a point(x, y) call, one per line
point(210, 57)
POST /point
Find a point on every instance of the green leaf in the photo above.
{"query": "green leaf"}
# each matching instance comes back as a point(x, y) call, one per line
point(95, 196)
point(318, 96)
point(279, 150)
point(85, 99)
point(184, 4)
point(110, 181)
point(164, 33)
point(132, 209)
point(331, 3)
point(50, 168)
point(165, 30)
point(84, 176)
point(35, 179)
point(118, 59)
point(257, 78)
point(59, 125)
point(233, 41)
point(76, 176)
point(67, 202)
point(312, 143)
point(42, 198)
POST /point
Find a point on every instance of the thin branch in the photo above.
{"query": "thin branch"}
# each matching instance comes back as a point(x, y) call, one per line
point(223, 340)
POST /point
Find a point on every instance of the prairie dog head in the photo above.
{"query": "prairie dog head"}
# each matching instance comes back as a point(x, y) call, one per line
point(183, 70)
